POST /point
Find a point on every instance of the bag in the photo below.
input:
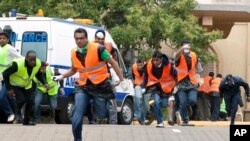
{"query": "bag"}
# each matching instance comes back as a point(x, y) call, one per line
point(104, 90)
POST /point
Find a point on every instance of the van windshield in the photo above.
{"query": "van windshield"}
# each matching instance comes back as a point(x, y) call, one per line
point(37, 41)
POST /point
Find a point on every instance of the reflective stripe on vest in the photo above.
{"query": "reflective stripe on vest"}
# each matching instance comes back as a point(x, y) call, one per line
point(166, 81)
point(138, 78)
point(53, 86)
point(94, 70)
point(21, 77)
point(3, 57)
point(206, 85)
point(215, 84)
point(182, 68)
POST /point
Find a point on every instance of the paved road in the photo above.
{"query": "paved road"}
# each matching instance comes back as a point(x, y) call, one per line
point(55, 132)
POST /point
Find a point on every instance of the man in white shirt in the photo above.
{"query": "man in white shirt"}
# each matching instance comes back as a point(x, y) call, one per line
point(7, 54)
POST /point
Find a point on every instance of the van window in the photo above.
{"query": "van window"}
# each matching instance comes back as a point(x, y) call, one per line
point(117, 57)
point(37, 41)
point(13, 38)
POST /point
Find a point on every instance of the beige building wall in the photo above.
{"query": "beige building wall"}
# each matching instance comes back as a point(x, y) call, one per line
point(234, 54)
point(232, 51)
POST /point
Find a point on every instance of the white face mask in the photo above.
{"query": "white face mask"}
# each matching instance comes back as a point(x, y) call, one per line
point(186, 50)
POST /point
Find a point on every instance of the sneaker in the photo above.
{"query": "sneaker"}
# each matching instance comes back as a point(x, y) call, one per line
point(178, 118)
point(17, 121)
point(11, 118)
point(161, 125)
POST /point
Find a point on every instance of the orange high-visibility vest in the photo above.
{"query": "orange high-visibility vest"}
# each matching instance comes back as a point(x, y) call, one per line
point(182, 69)
point(206, 85)
point(94, 70)
point(138, 78)
point(108, 46)
point(166, 81)
point(215, 84)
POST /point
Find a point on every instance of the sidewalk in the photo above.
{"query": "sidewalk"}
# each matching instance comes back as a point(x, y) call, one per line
point(205, 123)
point(217, 123)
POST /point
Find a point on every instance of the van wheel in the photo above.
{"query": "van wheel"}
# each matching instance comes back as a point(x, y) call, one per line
point(70, 110)
point(126, 115)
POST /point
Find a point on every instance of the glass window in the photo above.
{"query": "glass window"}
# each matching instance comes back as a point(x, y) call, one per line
point(37, 41)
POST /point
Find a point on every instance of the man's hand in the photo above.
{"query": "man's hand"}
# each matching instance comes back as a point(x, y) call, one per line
point(143, 90)
point(124, 85)
point(57, 78)
point(11, 94)
point(46, 86)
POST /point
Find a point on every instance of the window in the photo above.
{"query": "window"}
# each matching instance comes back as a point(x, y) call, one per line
point(37, 41)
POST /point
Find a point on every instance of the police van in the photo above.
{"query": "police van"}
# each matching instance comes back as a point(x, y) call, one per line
point(52, 39)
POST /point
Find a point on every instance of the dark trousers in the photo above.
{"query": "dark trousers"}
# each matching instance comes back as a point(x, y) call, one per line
point(203, 107)
point(24, 97)
point(232, 102)
point(215, 106)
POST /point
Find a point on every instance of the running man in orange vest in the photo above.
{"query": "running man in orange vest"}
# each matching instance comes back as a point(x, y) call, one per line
point(187, 65)
point(203, 110)
point(100, 38)
point(137, 75)
point(160, 81)
point(214, 97)
point(90, 61)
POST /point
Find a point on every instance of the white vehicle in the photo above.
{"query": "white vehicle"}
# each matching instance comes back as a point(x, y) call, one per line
point(52, 39)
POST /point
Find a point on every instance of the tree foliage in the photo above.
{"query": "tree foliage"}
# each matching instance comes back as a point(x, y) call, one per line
point(136, 23)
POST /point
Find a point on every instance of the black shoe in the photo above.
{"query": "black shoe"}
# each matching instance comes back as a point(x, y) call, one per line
point(171, 123)
point(213, 119)
point(29, 123)
point(232, 123)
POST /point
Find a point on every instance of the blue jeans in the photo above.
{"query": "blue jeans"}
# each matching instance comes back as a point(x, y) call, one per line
point(6, 104)
point(81, 103)
point(158, 103)
point(186, 98)
point(145, 105)
point(38, 99)
point(101, 107)
point(112, 106)
point(138, 102)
